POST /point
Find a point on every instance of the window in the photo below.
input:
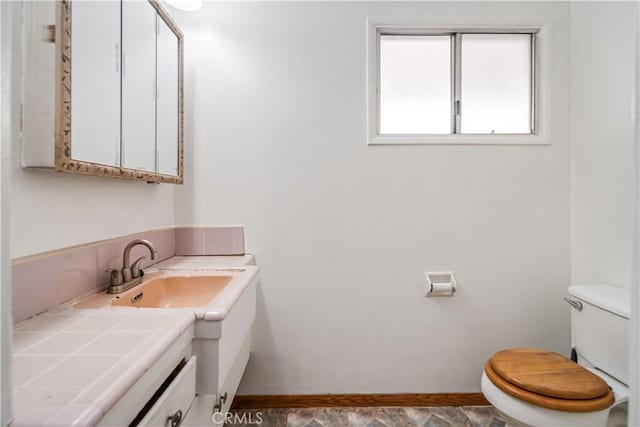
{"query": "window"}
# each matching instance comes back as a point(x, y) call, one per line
point(455, 83)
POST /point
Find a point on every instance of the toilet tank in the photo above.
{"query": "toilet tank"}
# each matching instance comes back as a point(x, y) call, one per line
point(600, 328)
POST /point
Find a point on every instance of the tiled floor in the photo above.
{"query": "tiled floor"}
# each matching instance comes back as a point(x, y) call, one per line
point(466, 416)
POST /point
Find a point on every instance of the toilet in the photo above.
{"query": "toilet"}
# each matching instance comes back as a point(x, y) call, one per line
point(532, 387)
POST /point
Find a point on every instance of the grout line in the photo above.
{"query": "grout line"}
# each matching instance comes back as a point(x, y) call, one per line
point(122, 357)
point(68, 355)
point(49, 333)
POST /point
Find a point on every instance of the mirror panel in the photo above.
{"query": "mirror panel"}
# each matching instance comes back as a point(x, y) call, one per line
point(95, 70)
point(138, 85)
point(168, 107)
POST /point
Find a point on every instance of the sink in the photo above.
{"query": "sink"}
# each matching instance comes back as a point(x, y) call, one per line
point(211, 293)
point(174, 292)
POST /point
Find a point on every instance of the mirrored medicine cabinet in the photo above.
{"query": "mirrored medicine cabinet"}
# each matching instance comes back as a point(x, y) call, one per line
point(103, 89)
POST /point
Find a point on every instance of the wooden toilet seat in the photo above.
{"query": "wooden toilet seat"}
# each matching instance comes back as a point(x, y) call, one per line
point(548, 380)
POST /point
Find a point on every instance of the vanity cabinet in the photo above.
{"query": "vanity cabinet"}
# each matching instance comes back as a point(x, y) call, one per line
point(174, 403)
point(197, 377)
point(116, 70)
point(161, 390)
point(223, 349)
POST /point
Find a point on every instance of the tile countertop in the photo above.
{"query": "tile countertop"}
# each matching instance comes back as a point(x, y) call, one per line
point(204, 262)
point(70, 365)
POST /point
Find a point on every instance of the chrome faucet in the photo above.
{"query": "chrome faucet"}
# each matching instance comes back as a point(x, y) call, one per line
point(131, 274)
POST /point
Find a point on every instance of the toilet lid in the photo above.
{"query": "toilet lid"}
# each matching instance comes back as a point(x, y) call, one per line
point(566, 405)
point(547, 374)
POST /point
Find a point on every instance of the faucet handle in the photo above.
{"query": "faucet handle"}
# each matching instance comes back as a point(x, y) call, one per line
point(115, 276)
point(135, 268)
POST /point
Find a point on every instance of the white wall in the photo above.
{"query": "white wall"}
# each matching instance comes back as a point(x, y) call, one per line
point(7, 121)
point(342, 231)
point(634, 370)
point(50, 210)
point(604, 76)
point(604, 153)
point(603, 55)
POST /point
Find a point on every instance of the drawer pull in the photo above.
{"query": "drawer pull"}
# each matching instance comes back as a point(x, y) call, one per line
point(175, 419)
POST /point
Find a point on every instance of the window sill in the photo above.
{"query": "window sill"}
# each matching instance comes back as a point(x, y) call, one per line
point(502, 139)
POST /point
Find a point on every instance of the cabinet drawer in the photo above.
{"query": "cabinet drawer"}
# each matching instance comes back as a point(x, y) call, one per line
point(177, 397)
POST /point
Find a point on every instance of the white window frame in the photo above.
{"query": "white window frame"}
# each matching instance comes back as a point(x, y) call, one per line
point(541, 68)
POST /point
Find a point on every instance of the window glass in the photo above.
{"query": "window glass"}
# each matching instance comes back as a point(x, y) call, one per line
point(415, 84)
point(496, 83)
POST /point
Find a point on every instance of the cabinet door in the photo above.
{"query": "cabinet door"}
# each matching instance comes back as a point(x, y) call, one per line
point(175, 401)
point(95, 82)
point(138, 85)
point(167, 100)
